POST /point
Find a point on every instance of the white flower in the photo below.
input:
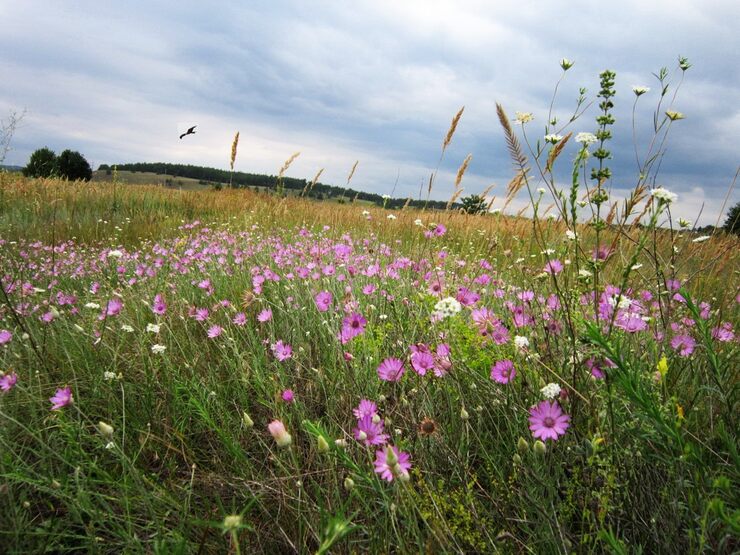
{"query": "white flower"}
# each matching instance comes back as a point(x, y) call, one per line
point(154, 328)
point(684, 223)
point(663, 195)
point(448, 306)
point(550, 391)
point(582, 203)
point(115, 254)
point(541, 190)
point(523, 117)
point(636, 267)
point(495, 211)
point(92, 305)
point(158, 349)
point(570, 234)
point(127, 328)
point(701, 239)
point(418, 222)
point(640, 90)
point(521, 342)
point(386, 197)
point(620, 301)
point(365, 213)
point(586, 138)
point(391, 216)
point(566, 64)
point(109, 376)
point(552, 217)
point(584, 273)
point(553, 138)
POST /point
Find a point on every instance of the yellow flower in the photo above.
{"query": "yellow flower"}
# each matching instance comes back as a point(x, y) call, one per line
point(662, 366)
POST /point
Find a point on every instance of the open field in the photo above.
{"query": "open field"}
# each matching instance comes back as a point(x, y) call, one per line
point(432, 382)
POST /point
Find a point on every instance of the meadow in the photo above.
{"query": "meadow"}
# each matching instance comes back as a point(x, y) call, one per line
point(230, 371)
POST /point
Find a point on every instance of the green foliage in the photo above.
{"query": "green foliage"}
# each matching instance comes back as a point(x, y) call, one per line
point(474, 204)
point(43, 163)
point(73, 166)
point(732, 223)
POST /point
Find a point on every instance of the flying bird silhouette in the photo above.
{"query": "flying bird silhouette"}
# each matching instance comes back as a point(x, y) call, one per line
point(190, 131)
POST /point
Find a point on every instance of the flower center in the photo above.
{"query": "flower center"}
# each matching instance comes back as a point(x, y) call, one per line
point(549, 422)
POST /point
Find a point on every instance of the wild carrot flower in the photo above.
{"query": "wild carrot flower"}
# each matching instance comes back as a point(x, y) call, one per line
point(663, 195)
point(282, 351)
point(550, 391)
point(391, 463)
point(547, 420)
point(158, 349)
point(391, 370)
point(370, 431)
point(5, 337)
point(279, 434)
point(7, 381)
point(503, 371)
point(61, 398)
point(447, 307)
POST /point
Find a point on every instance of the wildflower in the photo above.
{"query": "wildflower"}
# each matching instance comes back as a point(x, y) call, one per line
point(277, 430)
point(418, 222)
point(521, 342)
point(553, 267)
point(5, 337)
point(391, 463)
point(684, 223)
point(662, 366)
point(370, 431)
point(282, 351)
point(503, 371)
point(264, 315)
point(322, 446)
point(365, 408)
point(674, 116)
point(547, 420)
point(447, 307)
point(466, 297)
point(112, 309)
point(422, 361)
point(464, 414)
point(158, 306)
point(391, 370)
point(553, 138)
point(391, 217)
point(158, 349)
point(639, 91)
point(352, 326)
point(663, 195)
point(349, 483)
point(522, 446)
point(232, 523)
point(539, 448)
point(7, 381)
point(586, 138)
point(214, 331)
point(584, 273)
point(115, 254)
point(248, 422)
point(684, 344)
point(323, 301)
point(439, 230)
point(61, 398)
point(152, 328)
point(240, 319)
point(570, 234)
point(566, 64)
point(523, 117)
point(550, 391)
point(701, 239)
point(94, 306)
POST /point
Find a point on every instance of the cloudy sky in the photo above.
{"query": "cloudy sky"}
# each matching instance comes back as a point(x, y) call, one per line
point(375, 81)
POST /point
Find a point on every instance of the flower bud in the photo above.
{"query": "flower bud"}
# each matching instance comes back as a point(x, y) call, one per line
point(349, 483)
point(105, 429)
point(248, 422)
point(522, 446)
point(539, 447)
point(464, 414)
point(321, 445)
point(232, 522)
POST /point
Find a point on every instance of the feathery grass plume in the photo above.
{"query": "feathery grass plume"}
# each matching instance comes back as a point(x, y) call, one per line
point(515, 149)
point(282, 171)
point(555, 151)
point(454, 197)
point(487, 190)
point(490, 203)
point(461, 170)
point(522, 211)
point(451, 130)
point(612, 213)
point(310, 186)
point(352, 172)
point(233, 157)
point(514, 186)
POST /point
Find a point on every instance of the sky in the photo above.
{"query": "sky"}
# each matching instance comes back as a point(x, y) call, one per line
point(376, 82)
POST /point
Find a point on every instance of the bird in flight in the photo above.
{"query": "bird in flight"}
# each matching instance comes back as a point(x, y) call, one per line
point(190, 131)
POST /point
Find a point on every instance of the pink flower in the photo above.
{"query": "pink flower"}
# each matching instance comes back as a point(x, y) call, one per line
point(264, 316)
point(503, 371)
point(158, 306)
point(466, 297)
point(391, 463)
point(422, 361)
point(279, 434)
point(240, 319)
point(8, 381)
point(282, 351)
point(684, 344)
point(214, 331)
point(288, 396)
point(440, 230)
point(723, 333)
point(370, 430)
point(112, 309)
point(547, 420)
point(352, 326)
point(365, 408)
point(553, 267)
point(5, 337)
point(323, 301)
point(201, 314)
point(391, 370)
point(61, 398)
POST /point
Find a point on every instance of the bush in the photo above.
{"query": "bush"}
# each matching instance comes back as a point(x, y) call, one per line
point(43, 163)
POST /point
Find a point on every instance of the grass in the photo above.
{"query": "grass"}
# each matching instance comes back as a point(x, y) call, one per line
point(163, 312)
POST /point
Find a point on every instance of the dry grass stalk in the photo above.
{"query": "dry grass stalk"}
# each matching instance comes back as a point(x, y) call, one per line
point(514, 186)
point(487, 190)
point(547, 210)
point(555, 152)
point(612, 213)
point(522, 211)
point(287, 164)
point(233, 150)
point(406, 204)
point(490, 203)
point(461, 170)
point(352, 172)
point(451, 130)
point(454, 197)
point(515, 149)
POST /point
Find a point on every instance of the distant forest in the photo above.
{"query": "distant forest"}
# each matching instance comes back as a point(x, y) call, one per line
point(319, 191)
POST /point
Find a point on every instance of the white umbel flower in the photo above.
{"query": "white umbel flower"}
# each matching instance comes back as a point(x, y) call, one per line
point(550, 391)
point(663, 195)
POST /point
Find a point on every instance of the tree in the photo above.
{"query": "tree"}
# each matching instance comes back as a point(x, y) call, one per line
point(73, 166)
point(732, 223)
point(474, 204)
point(43, 163)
